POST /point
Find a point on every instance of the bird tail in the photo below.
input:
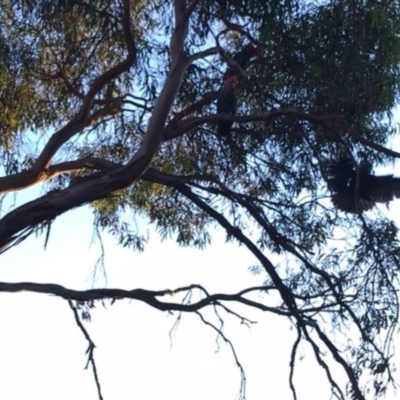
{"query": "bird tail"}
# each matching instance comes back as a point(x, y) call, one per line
point(224, 128)
point(347, 202)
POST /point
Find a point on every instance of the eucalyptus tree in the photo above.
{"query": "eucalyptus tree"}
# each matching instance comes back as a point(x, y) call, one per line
point(114, 104)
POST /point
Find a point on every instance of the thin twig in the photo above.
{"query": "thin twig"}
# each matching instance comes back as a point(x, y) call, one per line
point(90, 349)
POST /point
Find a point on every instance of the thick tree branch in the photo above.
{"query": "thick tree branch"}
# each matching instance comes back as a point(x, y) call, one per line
point(179, 63)
point(79, 165)
point(55, 203)
point(26, 178)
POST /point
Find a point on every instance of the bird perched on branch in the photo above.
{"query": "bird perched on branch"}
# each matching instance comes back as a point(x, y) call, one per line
point(226, 104)
point(356, 189)
point(243, 59)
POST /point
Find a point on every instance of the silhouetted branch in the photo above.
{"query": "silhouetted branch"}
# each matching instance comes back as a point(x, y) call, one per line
point(147, 296)
point(302, 321)
point(292, 363)
point(194, 122)
point(90, 348)
point(242, 391)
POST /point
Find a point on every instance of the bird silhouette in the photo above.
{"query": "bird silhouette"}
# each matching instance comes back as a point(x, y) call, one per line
point(355, 189)
point(243, 58)
point(226, 104)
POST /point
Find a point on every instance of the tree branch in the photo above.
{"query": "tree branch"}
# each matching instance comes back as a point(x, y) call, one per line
point(25, 178)
point(147, 296)
point(207, 99)
point(194, 122)
point(90, 349)
point(179, 63)
point(286, 294)
point(203, 54)
point(80, 164)
point(242, 391)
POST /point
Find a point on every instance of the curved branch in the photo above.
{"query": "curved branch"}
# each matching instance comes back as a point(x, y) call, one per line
point(179, 63)
point(147, 296)
point(59, 138)
point(27, 178)
point(118, 69)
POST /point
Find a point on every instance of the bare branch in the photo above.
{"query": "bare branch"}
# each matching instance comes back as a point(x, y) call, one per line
point(203, 54)
point(242, 391)
point(153, 138)
point(292, 363)
point(90, 349)
point(191, 123)
point(198, 105)
point(147, 296)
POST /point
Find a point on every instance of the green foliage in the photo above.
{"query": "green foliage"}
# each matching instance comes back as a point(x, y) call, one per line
point(337, 60)
point(51, 52)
